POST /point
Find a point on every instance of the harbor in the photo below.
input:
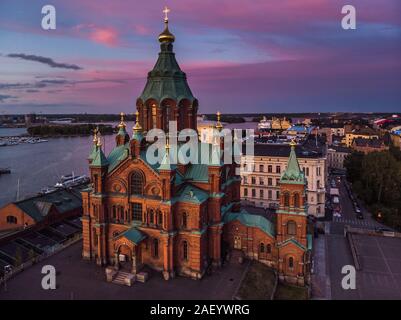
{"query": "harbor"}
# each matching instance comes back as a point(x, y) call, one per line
point(16, 140)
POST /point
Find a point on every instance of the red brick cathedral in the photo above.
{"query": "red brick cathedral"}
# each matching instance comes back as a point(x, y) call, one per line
point(182, 219)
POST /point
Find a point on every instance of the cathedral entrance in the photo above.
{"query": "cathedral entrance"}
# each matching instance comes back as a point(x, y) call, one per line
point(124, 257)
point(237, 242)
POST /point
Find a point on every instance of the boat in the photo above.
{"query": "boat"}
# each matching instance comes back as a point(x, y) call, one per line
point(4, 170)
point(72, 182)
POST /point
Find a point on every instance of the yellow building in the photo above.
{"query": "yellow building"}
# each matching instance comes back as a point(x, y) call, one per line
point(366, 133)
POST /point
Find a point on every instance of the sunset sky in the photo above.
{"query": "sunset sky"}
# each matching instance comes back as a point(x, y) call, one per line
point(239, 56)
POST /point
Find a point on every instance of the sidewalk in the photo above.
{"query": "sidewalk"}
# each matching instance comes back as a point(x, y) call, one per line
point(320, 278)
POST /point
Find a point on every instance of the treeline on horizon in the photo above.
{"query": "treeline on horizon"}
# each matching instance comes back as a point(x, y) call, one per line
point(69, 130)
point(376, 180)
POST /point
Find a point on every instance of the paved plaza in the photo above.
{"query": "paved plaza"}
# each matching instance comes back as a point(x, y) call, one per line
point(78, 279)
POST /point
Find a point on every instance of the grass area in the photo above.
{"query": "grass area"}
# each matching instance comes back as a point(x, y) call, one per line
point(288, 292)
point(258, 283)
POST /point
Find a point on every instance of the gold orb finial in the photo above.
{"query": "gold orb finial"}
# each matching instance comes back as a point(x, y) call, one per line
point(219, 126)
point(137, 127)
point(99, 140)
point(293, 143)
point(95, 131)
point(122, 124)
point(166, 35)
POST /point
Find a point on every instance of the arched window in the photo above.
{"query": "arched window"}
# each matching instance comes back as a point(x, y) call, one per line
point(291, 263)
point(262, 248)
point(155, 248)
point(184, 220)
point(286, 199)
point(12, 220)
point(296, 200)
point(269, 248)
point(185, 250)
point(137, 183)
point(291, 228)
point(151, 216)
point(159, 218)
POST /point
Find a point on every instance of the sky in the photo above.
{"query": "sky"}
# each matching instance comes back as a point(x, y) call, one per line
point(257, 56)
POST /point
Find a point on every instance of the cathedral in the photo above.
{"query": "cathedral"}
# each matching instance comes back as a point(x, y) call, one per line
point(183, 219)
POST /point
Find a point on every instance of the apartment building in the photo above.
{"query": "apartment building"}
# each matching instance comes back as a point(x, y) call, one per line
point(260, 174)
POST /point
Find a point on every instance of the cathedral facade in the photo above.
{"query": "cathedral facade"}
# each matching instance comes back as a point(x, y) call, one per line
point(182, 219)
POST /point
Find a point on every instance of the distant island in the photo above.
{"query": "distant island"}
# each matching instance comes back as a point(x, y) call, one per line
point(48, 130)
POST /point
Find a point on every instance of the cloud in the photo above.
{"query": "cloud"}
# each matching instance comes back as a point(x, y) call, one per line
point(50, 62)
point(4, 97)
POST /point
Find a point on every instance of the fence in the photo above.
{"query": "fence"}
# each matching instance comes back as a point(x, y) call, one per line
point(55, 249)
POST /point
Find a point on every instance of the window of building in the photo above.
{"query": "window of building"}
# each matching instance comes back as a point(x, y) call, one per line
point(269, 194)
point(261, 182)
point(151, 216)
point(136, 212)
point(136, 183)
point(261, 168)
point(270, 168)
point(278, 169)
point(253, 180)
point(185, 220)
point(155, 248)
point(286, 199)
point(269, 181)
point(296, 200)
point(159, 218)
point(262, 248)
point(245, 192)
point(291, 228)
point(269, 248)
point(185, 250)
point(318, 184)
point(261, 194)
point(291, 263)
point(253, 193)
point(277, 182)
point(12, 220)
point(307, 172)
point(245, 180)
point(277, 195)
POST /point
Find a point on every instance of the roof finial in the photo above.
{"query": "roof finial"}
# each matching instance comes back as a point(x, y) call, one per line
point(167, 146)
point(293, 143)
point(137, 127)
point(95, 131)
point(99, 140)
point(122, 124)
point(166, 12)
point(219, 126)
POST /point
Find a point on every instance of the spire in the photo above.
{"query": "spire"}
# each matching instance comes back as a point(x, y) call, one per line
point(137, 129)
point(166, 163)
point(94, 147)
point(293, 173)
point(122, 125)
point(99, 159)
point(218, 126)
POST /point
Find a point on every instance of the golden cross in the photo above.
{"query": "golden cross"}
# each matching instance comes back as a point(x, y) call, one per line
point(166, 11)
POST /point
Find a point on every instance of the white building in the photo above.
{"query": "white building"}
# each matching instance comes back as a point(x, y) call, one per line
point(261, 173)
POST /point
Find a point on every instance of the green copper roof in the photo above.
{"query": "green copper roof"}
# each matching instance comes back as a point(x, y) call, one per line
point(251, 220)
point(137, 136)
point(122, 131)
point(291, 240)
point(117, 155)
point(166, 80)
point(134, 235)
point(99, 159)
point(93, 153)
point(192, 194)
point(293, 174)
point(166, 163)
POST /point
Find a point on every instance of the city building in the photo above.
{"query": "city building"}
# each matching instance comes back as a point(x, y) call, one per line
point(40, 211)
point(165, 216)
point(364, 132)
point(336, 156)
point(368, 145)
point(280, 123)
point(180, 219)
point(285, 244)
point(261, 174)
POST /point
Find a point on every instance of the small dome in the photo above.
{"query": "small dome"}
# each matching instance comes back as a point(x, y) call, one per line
point(166, 35)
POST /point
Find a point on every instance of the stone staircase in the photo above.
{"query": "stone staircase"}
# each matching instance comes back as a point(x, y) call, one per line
point(122, 277)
